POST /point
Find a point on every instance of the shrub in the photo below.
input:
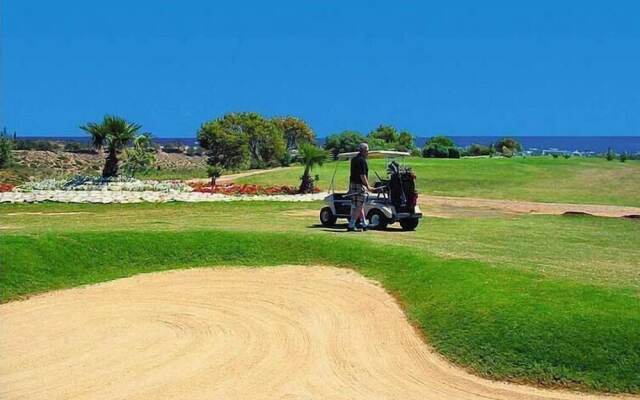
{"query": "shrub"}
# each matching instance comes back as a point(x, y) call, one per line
point(141, 156)
point(295, 131)
point(238, 140)
point(214, 172)
point(6, 146)
point(478, 150)
point(566, 156)
point(507, 152)
point(41, 145)
point(610, 154)
point(554, 155)
point(194, 151)
point(6, 187)
point(72, 146)
point(343, 142)
point(623, 157)
point(386, 133)
point(443, 141)
point(454, 152)
point(511, 144)
point(416, 153)
point(435, 150)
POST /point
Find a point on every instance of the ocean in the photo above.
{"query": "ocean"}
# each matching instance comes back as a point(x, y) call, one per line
point(598, 144)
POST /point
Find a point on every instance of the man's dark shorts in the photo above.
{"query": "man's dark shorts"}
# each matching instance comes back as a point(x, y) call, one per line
point(357, 194)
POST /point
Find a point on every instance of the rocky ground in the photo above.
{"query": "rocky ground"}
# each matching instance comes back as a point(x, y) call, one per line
point(82, 163)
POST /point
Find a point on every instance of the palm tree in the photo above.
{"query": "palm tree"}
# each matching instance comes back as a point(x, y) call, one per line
point(310, 156)
point(114, 132)
point(98, 136)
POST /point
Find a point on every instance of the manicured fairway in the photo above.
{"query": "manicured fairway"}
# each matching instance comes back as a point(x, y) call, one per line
point(521, 299)
point(575, 180)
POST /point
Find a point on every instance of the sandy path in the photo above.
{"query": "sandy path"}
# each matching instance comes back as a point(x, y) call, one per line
point(231, 177)
point(287, 332)
point(459, 206)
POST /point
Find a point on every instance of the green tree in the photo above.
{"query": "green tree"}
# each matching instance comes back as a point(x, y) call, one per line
point(225, 147)
point(444, 141)
point(115, 133)
point(214, 172)
point(623, 156)
point(512, 145)
point(343, 142)
point(386, 133)
point(6, 148)
point(140, 156)
point(478, 150)
point(98, 136)
point(435, 150)
point(309, 155)
point(610, 154)
point(295, 131)
point(405, 141)
point(242, 139)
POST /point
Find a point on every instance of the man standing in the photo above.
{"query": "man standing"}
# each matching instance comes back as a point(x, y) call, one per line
point(358, 184)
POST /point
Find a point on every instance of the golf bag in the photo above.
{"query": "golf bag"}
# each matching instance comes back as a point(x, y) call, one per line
point(402, 187)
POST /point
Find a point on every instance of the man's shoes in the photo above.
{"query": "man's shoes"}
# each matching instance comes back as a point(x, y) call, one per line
point(353, 229)
point(364, 228)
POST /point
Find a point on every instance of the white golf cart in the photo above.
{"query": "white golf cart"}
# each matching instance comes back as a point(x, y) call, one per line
point(395, 201)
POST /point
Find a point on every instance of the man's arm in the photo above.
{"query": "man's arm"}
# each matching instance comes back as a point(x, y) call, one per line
point(365, 182)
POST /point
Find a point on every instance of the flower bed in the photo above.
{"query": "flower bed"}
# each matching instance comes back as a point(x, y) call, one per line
point(236, 190)
point(6, 187)
point(88, 183)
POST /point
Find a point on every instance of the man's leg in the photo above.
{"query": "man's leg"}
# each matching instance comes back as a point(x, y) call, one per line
point(363, 217)
point(355, 213)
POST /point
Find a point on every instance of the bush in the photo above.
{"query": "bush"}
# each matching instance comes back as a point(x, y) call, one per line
point(454, 152)
point(343, 142)
point(435, 150)
point(510, 144)
point(443, 141)
point(566, 156)
point(623, 157)
point(416, 153)
point(41, 145)
point(194, 151)
point(478, 150)
point(507, 152)
point(243, 139)
point(6, 146)
point(610, 155)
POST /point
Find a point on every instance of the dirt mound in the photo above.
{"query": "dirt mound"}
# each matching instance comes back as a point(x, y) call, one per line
point(287, 332)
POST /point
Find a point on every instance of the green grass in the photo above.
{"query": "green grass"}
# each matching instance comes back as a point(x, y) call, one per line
point(543, 299)
point(503, 323)
point(600, 251)
point(545, 179)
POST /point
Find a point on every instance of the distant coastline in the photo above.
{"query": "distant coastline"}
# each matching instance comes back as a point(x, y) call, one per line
point(596, 144)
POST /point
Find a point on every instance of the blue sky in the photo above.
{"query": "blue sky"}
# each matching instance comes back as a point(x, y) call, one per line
point(450, 67)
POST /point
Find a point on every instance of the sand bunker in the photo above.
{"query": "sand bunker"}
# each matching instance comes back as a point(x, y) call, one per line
point(286, 332)
point(452, 207)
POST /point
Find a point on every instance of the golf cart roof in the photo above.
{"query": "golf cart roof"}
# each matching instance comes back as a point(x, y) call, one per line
point(374, 154)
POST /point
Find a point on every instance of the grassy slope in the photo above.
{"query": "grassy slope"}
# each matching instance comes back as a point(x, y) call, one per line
point(503, 311)
point(602, 251)
point(576, 180)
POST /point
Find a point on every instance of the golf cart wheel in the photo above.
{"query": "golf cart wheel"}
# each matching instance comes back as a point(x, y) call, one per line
point(327, 218)
point(409, 224)
point(377, 219)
